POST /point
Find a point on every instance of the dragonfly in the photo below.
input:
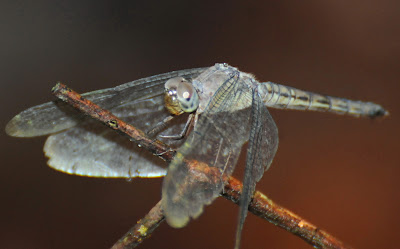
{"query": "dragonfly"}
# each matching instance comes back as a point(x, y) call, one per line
point(225, 107)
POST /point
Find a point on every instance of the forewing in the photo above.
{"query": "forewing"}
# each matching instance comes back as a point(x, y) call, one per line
point(202, 165)
point(263, 144)
point(56, 116)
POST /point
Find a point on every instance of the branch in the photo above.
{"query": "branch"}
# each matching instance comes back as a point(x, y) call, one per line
point(142, 230)
point(261, 205)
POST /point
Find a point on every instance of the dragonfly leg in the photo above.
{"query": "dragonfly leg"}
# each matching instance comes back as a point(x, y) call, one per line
point(184, 130)
point(159, 126)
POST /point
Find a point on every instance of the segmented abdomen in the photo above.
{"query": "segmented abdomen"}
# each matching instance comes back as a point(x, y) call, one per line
point(284, 97)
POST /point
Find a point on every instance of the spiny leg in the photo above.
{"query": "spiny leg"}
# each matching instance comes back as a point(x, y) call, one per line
point(160, 126)
point(184, 130)
point(163, 124)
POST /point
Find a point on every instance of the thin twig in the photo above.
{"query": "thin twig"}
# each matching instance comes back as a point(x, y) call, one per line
point(142, 230)
point(261, 205)
point(74, 99)
point(265, 208)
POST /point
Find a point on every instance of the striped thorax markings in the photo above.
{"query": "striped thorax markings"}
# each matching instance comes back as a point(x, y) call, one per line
point(225, 88)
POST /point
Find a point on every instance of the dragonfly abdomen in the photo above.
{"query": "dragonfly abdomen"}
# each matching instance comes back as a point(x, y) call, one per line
point(284, 97)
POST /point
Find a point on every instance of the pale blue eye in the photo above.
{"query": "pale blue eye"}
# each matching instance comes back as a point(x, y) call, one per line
point(187, 97)
point(184, 92)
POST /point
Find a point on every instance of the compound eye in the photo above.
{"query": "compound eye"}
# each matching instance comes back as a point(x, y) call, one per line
point(174, 83)
point(187, 97)
point(184, 92)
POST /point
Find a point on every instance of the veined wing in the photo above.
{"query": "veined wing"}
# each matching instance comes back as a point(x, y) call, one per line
point(263, 144)
point(92, 149)
point(56, 116)
point(202, 165)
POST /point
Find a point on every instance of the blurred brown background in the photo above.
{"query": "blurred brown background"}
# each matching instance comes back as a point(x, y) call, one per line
point(340, 173)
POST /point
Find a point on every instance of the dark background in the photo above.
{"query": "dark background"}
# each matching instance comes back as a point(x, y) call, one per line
point(340, 173)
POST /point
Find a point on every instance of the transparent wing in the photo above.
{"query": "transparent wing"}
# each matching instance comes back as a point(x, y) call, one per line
point(263, 144)
point(56, 116)
point(92, 149)
point(201, 166)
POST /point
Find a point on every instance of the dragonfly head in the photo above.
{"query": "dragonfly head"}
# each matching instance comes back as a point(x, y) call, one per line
point(180, 96)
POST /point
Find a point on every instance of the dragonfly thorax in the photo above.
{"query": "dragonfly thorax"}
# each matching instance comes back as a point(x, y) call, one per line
point(180, 96)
